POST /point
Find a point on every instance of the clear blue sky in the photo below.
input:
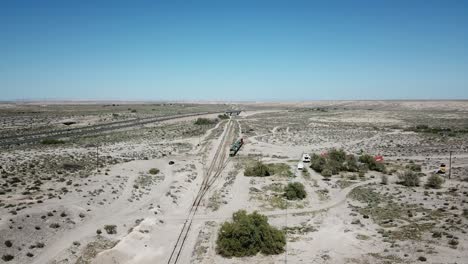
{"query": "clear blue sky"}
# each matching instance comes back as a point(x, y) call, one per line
point(233, 50)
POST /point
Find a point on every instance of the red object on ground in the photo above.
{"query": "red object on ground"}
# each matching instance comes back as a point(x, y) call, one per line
point(378, 158)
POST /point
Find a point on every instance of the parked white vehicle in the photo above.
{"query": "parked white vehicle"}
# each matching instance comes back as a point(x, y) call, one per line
point(300, 166)
point(305, 157)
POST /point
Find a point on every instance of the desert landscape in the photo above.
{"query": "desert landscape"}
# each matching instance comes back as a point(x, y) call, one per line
point(165, 182)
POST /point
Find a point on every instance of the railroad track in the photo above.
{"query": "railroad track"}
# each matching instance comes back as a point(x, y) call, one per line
point(220, 161)
point(88, 130)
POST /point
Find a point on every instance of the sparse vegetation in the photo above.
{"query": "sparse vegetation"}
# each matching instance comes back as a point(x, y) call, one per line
point(414, 167)
point(371, 163)
point(7, 257)
point(205, 121)
point(257, 169)
point(438, 131)
point(434, 182)
point(153, 171)
point(333, 163)
point(248, 235)
point(8, 243)
point(223, 116)
point(260, 169)
point(409, 178)
point(111, 229)
point(52, 141)
point(295, 191)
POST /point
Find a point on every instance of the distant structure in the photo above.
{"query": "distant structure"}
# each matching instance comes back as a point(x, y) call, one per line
point(233, 112)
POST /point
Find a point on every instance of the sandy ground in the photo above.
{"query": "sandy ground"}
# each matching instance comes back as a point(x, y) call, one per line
point(63, 218)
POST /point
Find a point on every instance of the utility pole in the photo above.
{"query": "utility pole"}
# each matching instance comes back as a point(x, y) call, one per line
point(97, 158)
point(450, 165)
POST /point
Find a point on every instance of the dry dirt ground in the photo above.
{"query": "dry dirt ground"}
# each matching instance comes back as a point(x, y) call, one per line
point(75, 203)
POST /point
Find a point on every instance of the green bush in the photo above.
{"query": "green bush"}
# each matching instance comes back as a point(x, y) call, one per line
point(333, 163)
point(371, 163)
point(248, 235)
point(337, 155)
point(224, 116)
point(414, 167)
point(434, 181)
point(326, 173)
point(334, 166)
point(205, 121)
point(409, 178)
point(153, 171)
point(257, 169)
point(52, 141)
point(351, 163)
point(111, 229)
point(295, 191)
point(317, 162)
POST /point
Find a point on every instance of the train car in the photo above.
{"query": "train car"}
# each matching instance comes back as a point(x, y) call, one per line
point(235, 147)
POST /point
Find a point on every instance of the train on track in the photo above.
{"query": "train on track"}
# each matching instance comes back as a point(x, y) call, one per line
point(235, 147)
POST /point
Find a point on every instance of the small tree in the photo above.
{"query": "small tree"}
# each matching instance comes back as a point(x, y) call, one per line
point(317, 162)
point(249, 234)
point(338, 155)
point(295, 191)
point(434, 182)
point(351, 163)
point(371, 163)
point(409, 178)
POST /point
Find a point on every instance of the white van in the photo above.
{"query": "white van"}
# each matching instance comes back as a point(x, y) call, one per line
point(300, 166)
point(305, 157)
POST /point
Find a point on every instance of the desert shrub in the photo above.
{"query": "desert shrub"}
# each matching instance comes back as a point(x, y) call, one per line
point(205, 121)
point(337, 155)
point(326, 173)
point(384, 180)
point(414, 167)
point(223, 116)
point(351, 163)
point(257, 169)
point(153, 171)
point(295, 191)
point(434, 181)
point(249, 234)
point(409, 178)
point(371, 163)
point(110, 229)
point(54, 225)
point(281, 169)
point(7, 257)
point(317, 162)
point(333, 163)
point(52, 141)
